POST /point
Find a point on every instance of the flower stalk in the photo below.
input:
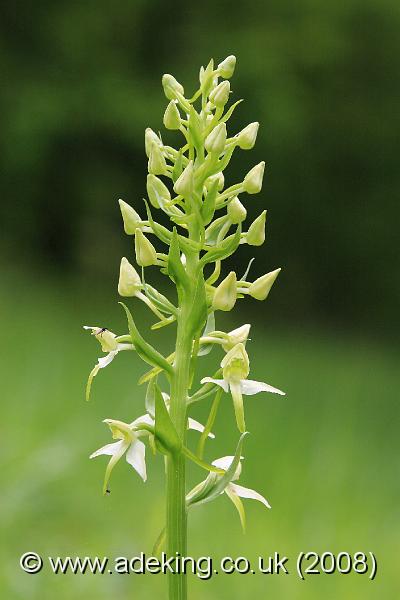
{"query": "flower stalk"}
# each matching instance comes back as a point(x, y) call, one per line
point(206, 220)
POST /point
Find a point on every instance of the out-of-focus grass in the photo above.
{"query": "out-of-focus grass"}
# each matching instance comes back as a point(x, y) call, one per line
point(325, 457)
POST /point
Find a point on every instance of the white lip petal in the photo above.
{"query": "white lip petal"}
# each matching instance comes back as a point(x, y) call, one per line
point(193, 424)
point(244, 492)
point(109, 449)
point(136, 457)
point(103, 361)
point(90, 327)
point(221, 382)
point(250, 387)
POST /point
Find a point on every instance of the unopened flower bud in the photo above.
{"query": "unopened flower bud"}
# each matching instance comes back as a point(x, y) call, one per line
point(219, 96)
point(171, 85)
point(256, 233)
point(226, 68)
point(252, 183)
point(236, 211)
point(157, 191)
point(130, 218)
point(219, 177)
point(237, 336)
point(215, 141)
point(157, 164)
point(145, 252)
point(129, 281)
point(150, 137)
point(226, 293)
point(185, 182)
point(247, 137)
point(172, 118)
point(261, 287)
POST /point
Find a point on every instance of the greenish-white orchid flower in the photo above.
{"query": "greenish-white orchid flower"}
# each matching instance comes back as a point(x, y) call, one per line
point(233, 490)
point(235, 369)
point(111, 344)
point(129, 444)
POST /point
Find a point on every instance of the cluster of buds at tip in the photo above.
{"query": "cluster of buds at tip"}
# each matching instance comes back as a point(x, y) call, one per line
point(207, 224)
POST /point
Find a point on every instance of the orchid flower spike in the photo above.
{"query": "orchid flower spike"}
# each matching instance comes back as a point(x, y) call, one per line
point(235, 368)
point(110, 344)
point(129, 444)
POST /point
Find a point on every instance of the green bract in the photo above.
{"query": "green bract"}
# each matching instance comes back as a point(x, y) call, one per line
point(206, 226)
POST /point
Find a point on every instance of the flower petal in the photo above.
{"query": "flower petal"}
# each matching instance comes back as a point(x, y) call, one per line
point(109, 449)
point(238, 504)
point(136, 457)
point(193, 424)
point(221, 382)
point(250, 387)
point(244, 492)
point(104, 361)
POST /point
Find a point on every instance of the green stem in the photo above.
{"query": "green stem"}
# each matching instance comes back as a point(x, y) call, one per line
point(176, 531)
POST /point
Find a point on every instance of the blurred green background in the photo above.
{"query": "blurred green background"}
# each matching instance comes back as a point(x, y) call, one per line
point(81, 81)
